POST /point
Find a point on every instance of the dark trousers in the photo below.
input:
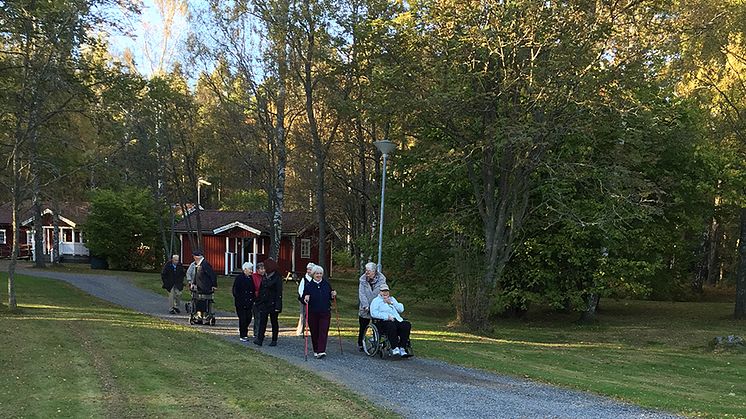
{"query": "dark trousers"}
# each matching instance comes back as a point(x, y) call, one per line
point(255, 311)
point(319, 325)
point(363, 325)
point(397, 332)
point(244, 318)
point(263, 324)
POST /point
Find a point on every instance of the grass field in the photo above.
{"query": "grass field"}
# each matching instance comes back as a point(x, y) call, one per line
point(654, 354)
point(66, 354)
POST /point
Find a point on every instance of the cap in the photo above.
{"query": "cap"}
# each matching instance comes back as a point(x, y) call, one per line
point(384, 287)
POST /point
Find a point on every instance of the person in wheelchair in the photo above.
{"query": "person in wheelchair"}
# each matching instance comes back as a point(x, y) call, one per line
point(387, 311)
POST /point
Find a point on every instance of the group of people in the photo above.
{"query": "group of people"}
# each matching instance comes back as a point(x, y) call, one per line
point(257, 294)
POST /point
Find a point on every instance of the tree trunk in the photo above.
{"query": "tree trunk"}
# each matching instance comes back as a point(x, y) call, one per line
point(589, 314)
point(318, 146)
point(39, 261)
point(278, 204)
point(700, 276)
point(56, 236)
point(740, 310)
point(15, 202)
point(715, 237)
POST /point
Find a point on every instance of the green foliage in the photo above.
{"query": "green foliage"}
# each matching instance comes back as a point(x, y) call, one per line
point(122, 229)
point(245, 200)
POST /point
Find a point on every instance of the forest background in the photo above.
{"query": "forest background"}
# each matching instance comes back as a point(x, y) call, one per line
point(550, 153)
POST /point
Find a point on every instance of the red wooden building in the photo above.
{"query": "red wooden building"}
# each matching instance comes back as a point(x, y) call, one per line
point(72, 241)
point(230, 238)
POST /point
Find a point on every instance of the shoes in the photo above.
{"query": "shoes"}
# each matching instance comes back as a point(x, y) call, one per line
point(172, 311)
point(316, 355)
point(273, 343)
point(402, 352)
point(257, 342)
point(177, 310)
point(395, 351)
point(322, 354)
point(244, 339)
point(360, 348)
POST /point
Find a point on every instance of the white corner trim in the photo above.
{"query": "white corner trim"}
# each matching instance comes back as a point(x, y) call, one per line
point(234, 225)
point(48, 211)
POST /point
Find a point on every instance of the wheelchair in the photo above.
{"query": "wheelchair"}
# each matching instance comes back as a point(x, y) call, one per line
point(375, 342)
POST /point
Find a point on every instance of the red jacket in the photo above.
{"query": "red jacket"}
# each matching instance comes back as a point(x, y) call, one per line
point(257, 278)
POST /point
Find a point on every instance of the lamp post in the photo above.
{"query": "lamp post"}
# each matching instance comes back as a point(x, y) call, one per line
point(200, 182)
point(385, 147)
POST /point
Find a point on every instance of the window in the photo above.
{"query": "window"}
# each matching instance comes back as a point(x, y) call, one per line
point(29, 237)
point(3, 239)
point(305, 248)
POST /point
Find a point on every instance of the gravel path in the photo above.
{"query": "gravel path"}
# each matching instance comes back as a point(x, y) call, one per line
point(414, 388)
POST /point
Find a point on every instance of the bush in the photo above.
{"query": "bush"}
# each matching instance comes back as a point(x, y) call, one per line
point(122, 228)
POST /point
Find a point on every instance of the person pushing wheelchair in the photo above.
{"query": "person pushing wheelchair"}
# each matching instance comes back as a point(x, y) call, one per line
point(387, 311)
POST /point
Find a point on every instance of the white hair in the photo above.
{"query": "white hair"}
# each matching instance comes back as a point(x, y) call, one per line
point(316, 269)
point(310, 265)
point(247, 265)
point(175, 257)
point(370, 266)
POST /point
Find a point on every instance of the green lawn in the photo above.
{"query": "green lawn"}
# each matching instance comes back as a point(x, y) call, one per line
point(67, 354)
point(653, 354)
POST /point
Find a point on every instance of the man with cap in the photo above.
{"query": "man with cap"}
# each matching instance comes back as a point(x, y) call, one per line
point(386, 309)
point(203, 280)
point(301, 287)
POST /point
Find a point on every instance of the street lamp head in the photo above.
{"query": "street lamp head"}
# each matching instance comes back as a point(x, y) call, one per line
point(385, 146)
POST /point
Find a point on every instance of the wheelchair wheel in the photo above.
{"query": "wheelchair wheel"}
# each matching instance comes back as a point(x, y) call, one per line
point(371, 340)
point(384, 347)
point(212, 321)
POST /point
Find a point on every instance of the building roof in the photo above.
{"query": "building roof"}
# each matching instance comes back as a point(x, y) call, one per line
point(258, 222)
point(74, 212)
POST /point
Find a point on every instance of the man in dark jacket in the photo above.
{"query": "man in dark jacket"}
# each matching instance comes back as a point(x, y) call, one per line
point(269, 303)
point(173, 281)
point(205, 281)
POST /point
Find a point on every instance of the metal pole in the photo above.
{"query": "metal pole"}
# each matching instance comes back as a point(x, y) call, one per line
point(380, 222)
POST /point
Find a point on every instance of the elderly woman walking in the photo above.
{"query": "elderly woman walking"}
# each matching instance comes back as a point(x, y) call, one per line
point(243, 297)
point(269, 302)
point(368, 289)
point(318, 295)
point(301, 286)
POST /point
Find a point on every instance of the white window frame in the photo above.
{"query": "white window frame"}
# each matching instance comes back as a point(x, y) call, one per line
point(4, 237)
point(305, 248)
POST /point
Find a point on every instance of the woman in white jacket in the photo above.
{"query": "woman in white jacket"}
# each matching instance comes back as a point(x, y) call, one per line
point(301, 285)
point(386, 309)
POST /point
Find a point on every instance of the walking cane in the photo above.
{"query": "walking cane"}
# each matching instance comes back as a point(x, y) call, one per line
point(339, 332)
point(305, 336)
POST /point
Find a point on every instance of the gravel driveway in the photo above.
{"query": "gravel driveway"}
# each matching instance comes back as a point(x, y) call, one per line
point(415, 388)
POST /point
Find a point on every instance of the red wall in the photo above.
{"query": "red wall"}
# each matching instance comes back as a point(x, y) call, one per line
point(214, 249)
point(7, 248)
